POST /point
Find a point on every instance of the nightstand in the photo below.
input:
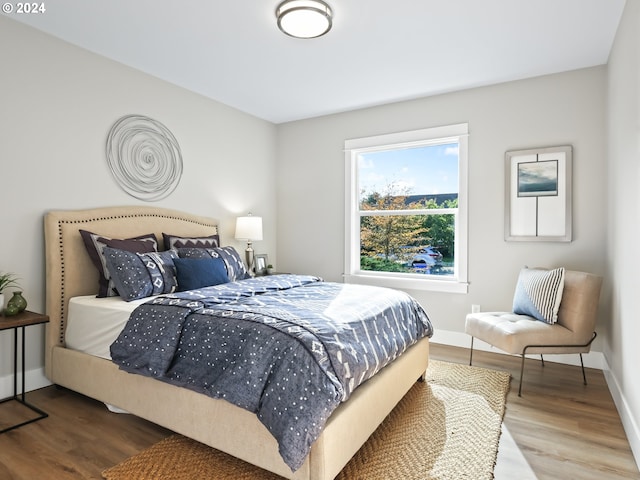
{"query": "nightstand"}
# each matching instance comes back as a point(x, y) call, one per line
point(21, 321)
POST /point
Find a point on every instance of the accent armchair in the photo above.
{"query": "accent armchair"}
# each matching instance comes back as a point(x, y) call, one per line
point(573, 332)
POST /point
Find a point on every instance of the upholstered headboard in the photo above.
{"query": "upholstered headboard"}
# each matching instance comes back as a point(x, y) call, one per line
point(69, 271)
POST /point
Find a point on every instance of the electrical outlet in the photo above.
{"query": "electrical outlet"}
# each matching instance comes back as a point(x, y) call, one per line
point(475, 308)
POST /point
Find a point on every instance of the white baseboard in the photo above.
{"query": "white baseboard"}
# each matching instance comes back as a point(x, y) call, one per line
point(34, 379)
point(626, 416)
point(458, 339)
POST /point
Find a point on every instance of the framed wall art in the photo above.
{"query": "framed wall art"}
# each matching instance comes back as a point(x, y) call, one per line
point(144, 157)
point(538, 195)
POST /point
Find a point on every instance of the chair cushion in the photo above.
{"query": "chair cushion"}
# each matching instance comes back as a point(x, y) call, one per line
point(511, 332)
point(538, 293)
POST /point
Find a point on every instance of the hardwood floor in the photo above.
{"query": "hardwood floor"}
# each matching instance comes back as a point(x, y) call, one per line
point(559, 427)
point(562, 428)
point(78, 440)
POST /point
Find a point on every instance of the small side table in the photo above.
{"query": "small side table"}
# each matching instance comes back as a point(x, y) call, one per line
point(20, 321)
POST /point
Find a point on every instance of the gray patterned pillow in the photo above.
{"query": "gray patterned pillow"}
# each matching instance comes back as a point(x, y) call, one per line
point(94, 244)
point(141, 275)
point(236, 269)
point(174, 242)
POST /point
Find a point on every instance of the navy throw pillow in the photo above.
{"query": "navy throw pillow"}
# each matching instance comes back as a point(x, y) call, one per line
point(194, 273)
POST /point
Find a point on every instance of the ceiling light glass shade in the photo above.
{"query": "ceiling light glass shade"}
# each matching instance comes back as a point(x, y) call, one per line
point(249, 228)
point(304, 18)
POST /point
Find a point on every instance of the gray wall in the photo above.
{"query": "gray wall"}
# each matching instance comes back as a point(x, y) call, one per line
point(623, 133)
point(563, 109)
point(57, 104)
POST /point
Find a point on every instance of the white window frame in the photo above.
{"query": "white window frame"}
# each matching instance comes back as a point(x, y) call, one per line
point(456, 283)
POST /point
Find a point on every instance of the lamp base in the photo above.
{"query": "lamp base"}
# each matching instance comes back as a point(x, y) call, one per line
point(250, 258)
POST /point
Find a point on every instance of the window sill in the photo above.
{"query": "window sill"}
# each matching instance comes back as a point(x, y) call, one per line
point(405, 283)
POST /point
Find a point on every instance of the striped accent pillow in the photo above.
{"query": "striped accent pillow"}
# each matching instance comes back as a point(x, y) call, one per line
point(538, 294)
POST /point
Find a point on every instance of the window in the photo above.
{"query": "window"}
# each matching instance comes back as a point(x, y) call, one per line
point(406, 209)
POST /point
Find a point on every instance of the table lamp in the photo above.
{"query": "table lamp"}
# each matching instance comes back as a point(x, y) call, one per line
point(249, 228)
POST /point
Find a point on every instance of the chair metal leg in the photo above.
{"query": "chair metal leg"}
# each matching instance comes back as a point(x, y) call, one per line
point(524, 351)
point(471, 352)
point(521, 375)
point(584, 376)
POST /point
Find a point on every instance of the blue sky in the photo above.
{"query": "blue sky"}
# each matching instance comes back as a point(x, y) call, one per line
point(419, 170)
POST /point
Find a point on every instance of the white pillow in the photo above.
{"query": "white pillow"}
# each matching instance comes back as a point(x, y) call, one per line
point(539, 293)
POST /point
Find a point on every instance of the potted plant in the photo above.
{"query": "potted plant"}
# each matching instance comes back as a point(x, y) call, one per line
point(269, 269)
point(6, 280)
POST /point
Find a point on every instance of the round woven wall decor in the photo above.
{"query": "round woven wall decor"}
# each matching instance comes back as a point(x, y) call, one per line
point(144, 157)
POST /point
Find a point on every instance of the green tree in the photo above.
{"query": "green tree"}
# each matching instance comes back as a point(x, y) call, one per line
point(387, 236)
point(441, 228)
point(388, 242)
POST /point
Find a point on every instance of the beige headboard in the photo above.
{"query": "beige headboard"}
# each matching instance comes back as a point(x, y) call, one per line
point(69, 271)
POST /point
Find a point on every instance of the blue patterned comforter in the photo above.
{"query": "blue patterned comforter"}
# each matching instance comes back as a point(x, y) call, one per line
point(289, 348)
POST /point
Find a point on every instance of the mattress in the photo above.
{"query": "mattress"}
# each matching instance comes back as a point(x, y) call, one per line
point(94, 323)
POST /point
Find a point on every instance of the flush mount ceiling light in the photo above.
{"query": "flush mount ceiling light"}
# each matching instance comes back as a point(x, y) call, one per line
point(304, 18)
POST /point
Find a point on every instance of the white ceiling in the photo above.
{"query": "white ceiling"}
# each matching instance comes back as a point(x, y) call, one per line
point(379, 51)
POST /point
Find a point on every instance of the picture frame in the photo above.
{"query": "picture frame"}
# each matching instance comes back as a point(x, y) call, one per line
point(538, 195)
point(260, 262)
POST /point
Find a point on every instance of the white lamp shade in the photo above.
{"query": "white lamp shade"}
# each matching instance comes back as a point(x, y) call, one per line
point(304, 18)
point(249, 228)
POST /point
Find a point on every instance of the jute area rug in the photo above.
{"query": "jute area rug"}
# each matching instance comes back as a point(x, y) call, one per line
point(446, 428)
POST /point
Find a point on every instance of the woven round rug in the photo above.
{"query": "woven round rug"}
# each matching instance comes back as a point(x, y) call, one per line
point(445, 428)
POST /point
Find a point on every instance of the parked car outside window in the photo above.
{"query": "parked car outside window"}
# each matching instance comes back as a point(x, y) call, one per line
point(427, 256)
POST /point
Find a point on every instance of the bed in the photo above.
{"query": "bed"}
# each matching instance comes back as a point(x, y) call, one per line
point(70, 274)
